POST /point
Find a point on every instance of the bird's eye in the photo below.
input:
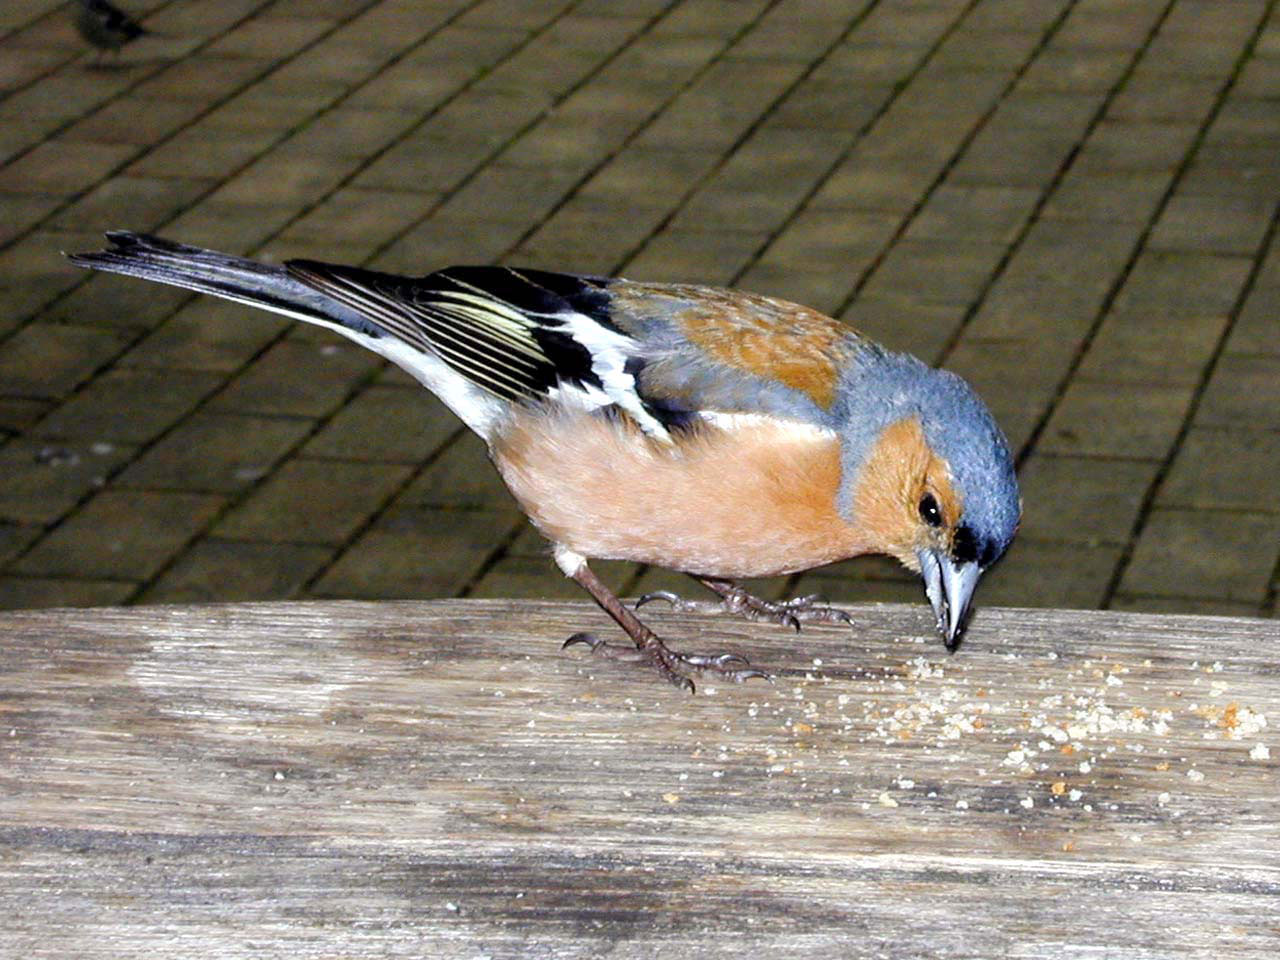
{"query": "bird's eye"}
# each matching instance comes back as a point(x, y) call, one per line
point(930, 513)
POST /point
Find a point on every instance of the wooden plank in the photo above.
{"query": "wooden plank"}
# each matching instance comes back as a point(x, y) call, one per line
point(440, 780)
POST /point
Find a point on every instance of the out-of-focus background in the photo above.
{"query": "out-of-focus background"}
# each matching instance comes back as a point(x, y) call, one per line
point(1073, 204)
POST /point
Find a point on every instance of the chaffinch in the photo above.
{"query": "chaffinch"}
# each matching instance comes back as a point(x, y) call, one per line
point(714, 432)
point(104, 26)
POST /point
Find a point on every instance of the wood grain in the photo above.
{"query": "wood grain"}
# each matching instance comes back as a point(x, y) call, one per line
point(440, 780)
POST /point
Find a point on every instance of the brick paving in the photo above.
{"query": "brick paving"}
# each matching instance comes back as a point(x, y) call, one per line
point(1073, 203)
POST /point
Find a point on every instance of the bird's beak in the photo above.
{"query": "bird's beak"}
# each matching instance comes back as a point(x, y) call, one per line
point(949, 587)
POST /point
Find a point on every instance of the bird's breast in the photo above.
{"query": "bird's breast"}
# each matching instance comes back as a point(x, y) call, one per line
point(743, 497)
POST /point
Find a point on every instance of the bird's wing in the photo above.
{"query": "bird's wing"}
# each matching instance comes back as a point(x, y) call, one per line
point(710, 350)
point(521, 335)
point(665, 355)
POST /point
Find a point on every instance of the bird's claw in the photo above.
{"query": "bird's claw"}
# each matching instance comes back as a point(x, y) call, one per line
point(734, 599)
point(672, 664)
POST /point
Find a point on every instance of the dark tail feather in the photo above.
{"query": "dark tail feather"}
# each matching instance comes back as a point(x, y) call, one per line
point(222, 275)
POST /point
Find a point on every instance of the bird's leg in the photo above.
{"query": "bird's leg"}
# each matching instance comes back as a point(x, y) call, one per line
point(675, 666)
point(734, 599)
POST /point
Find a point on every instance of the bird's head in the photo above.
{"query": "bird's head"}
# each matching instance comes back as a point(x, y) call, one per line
point(931, 479)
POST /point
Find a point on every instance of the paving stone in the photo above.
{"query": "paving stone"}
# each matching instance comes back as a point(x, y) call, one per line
point(1133, 147)
point(1115, 198)
point(1075, 70)
point(389, 424)
point(204, 150)
point(826, 291)
point(841, 592)
point(936, 271)
point(207, 335)
point(1026, 369)
point(1130, 603)
point(120, 534)
point(202, 78)
point(20, 413)
point(1041, 574)
point(1138, 421)
point(35, 275)
point(902, 323)
point(970, 47)
point(1223, 469)
point(298, 379)
point(1206, 554)
point(993, 214)
point(50, 359)
point(520, 194)
point(862, 183)
point(717, 18)
point(104, 300)
point(694, 256)
point(356, 215)
point(234, 228)
point(216, 453)
point(1150, 97)
point(128, 406)
point(285, 180)
point(222, 571)
point(23, 211)
point(16, 537)
point(1256, 329)
point(39, 482)
point(140, 202)
point(1214, 224)
point(649, 177)
point(461, 478)
point(439, 242)
point(1082, 500)
point(1181, 283)
point(1240, 394)
point(269, 38)
point(415, 553)
point(846, 240)
point(571, 135)
point(1151, 347)
point(133, 121)
point(313, 501)
point(527, 577)
point(23, 593)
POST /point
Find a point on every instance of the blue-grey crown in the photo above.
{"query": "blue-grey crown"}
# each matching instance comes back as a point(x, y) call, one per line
point(883, 387)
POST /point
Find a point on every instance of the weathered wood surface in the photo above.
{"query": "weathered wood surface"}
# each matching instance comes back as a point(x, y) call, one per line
point(440, 780)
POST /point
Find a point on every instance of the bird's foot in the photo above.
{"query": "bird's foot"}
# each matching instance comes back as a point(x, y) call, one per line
point(734, 599)
point(678, 668)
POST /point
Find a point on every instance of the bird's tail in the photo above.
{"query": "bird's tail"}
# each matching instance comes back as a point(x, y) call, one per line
point(285, 290)
point(222, 275)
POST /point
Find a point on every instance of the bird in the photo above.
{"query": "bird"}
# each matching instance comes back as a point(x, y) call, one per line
point(104, 26)
point(719, 433)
